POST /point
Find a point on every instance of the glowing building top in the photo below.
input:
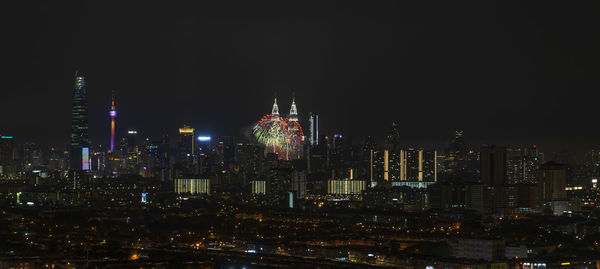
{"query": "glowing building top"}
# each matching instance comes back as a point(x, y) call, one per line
point(79, 81)
point(293, 111)
point(113, 114)
point(186, 130)
point(113, 109)
point(275, 110)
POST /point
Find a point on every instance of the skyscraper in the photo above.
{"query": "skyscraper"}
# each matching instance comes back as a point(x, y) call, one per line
point(186, 146)
point(313, 136)
point(80, 141)
point(514, 165)
point(493, 165)
point(531, 163)
point(7, 154)
point(296, 136)
point(275, 110)
point(552, 180)
point(113, 115)
point(393, 138)
point(293, 111)
point(456, 154)
point(132, 152)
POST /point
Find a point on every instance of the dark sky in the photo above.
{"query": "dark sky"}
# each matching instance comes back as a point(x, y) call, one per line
point(524, 72)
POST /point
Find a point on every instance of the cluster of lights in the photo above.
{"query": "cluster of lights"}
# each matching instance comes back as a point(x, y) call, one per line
point(278, 133)
point(204, 138)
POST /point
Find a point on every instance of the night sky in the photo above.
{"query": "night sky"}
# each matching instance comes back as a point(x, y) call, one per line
point(504, 72)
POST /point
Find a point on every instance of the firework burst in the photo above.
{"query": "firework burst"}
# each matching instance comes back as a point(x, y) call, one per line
point(278, 134)
point(271, 131)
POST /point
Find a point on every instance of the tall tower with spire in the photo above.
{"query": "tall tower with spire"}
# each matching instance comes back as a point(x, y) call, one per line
point(293, 111)
point(275, 110)
point(113, 114)
point(80, 141)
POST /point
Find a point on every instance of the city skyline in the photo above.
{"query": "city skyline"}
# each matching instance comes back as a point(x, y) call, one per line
point(433, 72)
point(378, 134)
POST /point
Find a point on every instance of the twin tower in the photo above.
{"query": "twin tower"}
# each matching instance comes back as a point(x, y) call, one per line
point(293, 110)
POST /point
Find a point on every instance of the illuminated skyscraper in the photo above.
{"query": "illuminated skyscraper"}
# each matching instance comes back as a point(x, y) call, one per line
point(186, 147)
point(514, 165)
point(296, 136)
point(275, 110)
point(132, 152)
point(293, 111)
point(80, 141)
point(531, 163)
point(313, 136)
point(113, 115)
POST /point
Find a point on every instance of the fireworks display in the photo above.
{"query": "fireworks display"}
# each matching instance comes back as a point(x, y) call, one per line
point(279, 134)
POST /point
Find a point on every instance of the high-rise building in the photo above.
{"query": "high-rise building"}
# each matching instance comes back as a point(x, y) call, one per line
point(345, 186)
point(299, 183)
point(186, 150)
point(132, 149)
point(31, 155)
point(552, 181)
point(226, 151)
point(531, 163)
point(313, 136)
point(275, 109)
point(192, 186)
point(493, 165)
point(336, 151)
point(293, 116)
point(79, 124)
point(455, 155)
point(386, 165)
point(113, 114)
point(259, 187)
point(294, 146)
point(429, 167)
point(250, 158)
point(7, 155)
point(514, 165)
point(186, 141)
point(393, 139)
point(369, 167)
point(418, 165)
point(7, 150)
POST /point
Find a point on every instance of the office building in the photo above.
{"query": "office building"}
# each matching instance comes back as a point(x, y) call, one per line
point(186, 147)
point(514, 165)
point(345, 186)
point(418, 165)
point(259, 187)
point(493, 165)
point(552, 180)
point(79, 124)
point(313, 132)
point(192, 186)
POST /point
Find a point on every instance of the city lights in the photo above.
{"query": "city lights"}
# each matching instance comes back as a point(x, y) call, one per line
point(204, 138)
